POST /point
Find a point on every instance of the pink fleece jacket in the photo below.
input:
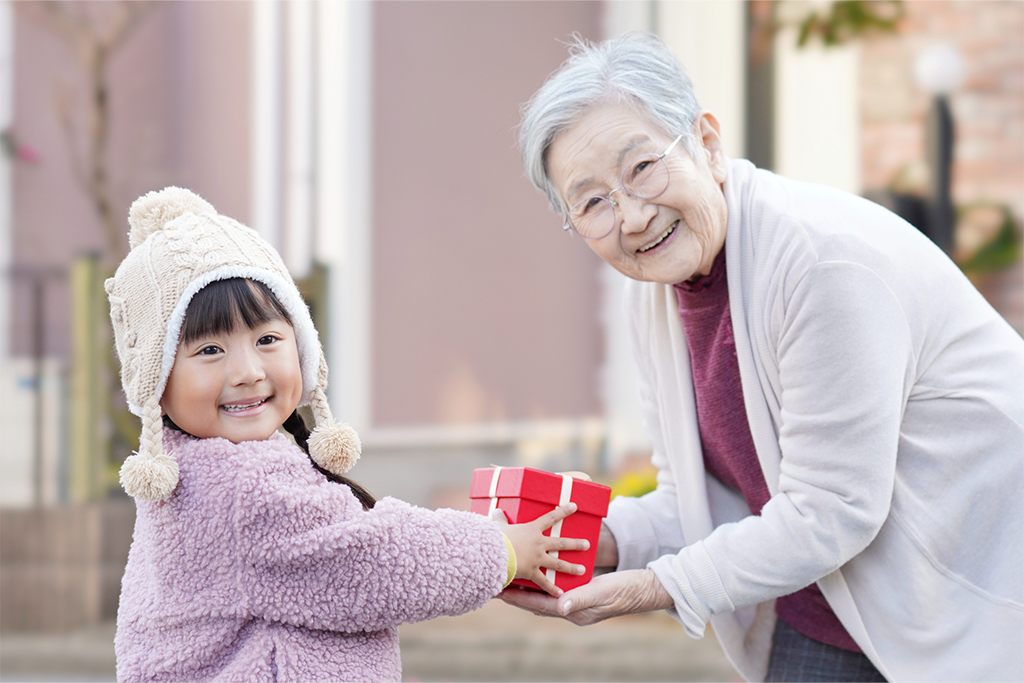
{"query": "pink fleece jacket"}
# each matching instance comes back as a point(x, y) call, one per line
point(259, 569)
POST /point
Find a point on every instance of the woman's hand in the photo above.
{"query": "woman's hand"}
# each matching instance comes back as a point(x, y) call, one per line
point(532, 547)
point(608, 595)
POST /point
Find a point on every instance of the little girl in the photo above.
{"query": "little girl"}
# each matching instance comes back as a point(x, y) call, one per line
point(253, 557)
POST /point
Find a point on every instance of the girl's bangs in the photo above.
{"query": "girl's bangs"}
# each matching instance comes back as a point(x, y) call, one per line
point(219, 306)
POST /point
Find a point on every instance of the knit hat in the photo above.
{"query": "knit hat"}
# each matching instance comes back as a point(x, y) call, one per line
point(179, 244)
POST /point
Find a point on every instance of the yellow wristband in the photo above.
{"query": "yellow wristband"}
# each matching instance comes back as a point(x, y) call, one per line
point(512, 565)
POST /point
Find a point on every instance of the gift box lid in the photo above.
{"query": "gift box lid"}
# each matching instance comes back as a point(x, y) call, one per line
point(541, 486)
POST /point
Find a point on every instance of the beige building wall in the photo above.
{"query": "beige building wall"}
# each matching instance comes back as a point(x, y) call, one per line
point(484, 310)
point(177, 89)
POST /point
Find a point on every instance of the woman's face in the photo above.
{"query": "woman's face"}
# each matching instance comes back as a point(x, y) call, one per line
point(671, 238)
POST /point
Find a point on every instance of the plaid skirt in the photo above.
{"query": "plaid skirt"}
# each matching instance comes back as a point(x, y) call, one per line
point(795, 657)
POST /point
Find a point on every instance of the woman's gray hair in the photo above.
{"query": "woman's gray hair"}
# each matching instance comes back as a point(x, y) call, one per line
point(637, 69)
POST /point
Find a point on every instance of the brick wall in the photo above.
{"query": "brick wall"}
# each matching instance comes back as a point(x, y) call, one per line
point(988, 110)
point(60, 568)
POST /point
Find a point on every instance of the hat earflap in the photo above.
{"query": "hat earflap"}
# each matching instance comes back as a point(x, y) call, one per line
point(333, 446)
point(149, 474)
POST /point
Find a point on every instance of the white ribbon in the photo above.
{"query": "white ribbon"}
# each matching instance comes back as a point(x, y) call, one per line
point(494, 490)
point(556, 530)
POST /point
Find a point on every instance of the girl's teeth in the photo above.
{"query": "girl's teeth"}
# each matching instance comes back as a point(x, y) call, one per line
point(237, 407)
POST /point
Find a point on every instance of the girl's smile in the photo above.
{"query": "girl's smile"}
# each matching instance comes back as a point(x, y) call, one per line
point(246, 409)
point(239, 385)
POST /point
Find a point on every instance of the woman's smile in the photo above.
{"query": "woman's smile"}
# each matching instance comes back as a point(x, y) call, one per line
point(660, 240)
point(669, 238)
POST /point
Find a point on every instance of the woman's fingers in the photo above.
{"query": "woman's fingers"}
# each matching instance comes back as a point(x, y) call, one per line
point(532, 601)
point(582, 476)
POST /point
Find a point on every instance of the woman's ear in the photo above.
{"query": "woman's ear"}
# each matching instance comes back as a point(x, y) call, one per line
point(709, 133)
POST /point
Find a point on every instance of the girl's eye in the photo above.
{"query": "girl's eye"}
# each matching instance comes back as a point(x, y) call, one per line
point(209, 350)
point(266, 339)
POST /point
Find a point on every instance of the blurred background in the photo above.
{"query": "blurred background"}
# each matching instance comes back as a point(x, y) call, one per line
point(373, 143)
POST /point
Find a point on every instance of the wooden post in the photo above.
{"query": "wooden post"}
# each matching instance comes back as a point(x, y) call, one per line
point(88, 409)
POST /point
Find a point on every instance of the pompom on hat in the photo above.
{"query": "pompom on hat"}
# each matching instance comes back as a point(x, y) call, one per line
point(180, 244)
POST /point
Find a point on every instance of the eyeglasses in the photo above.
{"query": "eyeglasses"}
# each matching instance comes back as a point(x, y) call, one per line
point(645, 178)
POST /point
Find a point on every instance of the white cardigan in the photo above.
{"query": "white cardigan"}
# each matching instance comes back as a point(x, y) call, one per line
point(886, 402)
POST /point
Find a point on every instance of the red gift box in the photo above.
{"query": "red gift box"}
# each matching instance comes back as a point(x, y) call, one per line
point(524, 494)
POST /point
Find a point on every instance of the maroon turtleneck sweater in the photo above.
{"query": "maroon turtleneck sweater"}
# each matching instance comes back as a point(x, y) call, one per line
point(729, 452)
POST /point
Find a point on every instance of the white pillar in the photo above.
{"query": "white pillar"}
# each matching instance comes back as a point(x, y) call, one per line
point(6, 180)
point(622, 16)
point(15, 402)
point(265, 131)
point(344, 200)
point(298, 238)
point(623, 425)
point(709, 37)
point(817, 112)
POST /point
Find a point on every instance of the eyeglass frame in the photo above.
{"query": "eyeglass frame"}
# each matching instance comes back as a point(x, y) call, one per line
point(567, 225)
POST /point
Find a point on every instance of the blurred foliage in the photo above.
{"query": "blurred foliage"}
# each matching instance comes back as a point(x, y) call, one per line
point(635, 483)
point(988, 238)
point(848, 19)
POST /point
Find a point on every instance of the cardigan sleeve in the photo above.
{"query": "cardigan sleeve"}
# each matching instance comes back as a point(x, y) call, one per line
point(845, 364)
point(314, 558)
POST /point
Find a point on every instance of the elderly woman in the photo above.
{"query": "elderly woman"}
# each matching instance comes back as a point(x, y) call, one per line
point(837, 415)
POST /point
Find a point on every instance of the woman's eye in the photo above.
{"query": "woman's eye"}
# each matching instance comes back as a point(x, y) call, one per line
point(640, 168)
point(591, 203)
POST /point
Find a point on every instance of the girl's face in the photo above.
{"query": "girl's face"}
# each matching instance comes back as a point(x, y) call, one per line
point(239, 385)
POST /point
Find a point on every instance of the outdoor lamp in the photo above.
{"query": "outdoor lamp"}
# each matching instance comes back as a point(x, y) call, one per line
point(938, 70)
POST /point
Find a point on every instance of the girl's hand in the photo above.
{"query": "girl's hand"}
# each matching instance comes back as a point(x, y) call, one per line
point(532, 547)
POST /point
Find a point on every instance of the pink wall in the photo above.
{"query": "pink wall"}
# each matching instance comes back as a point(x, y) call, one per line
point(483, 309)
point(179, 115)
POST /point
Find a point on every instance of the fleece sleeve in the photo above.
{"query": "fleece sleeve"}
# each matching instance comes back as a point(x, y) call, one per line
point(845, 365)
point(314, 558)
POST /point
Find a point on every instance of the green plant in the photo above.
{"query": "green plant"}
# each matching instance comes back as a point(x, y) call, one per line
point(848, 19)
point(987, 238)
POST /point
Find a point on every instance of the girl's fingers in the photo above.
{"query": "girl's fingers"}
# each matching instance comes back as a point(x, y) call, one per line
point(567, 544)
point(561, 512)
point(541, 579)
point(565, 567)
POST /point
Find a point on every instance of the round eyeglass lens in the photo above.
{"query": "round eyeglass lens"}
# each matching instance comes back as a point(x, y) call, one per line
point(646, 177)
point(592, 218)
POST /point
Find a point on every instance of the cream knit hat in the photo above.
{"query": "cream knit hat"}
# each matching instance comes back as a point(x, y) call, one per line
point(179, 244)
